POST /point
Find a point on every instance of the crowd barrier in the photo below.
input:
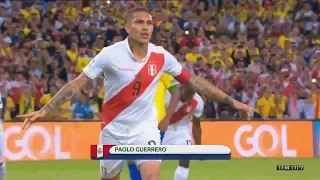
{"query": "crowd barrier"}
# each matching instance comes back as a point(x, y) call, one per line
point(72, 140)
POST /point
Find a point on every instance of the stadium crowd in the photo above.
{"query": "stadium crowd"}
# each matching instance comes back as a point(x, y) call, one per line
point(265, 53)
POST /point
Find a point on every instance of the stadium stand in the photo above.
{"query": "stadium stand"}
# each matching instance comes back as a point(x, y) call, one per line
point(265, 53)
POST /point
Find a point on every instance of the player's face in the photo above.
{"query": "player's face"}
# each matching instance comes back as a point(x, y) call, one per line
point(141, 27)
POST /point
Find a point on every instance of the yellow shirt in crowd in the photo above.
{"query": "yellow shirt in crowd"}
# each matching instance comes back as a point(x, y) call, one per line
point(44, 100)
point(82, 62)
point(72, 55)
point(6, 51)
point(266, 104)
point(282, 40)
point(27, 14)
point(101, 93)
point(25, 105)
point(64, 107)
point(215, 55)
point(166, 82)
point(9, 105)
point(192, 57)
point(71, 12)
point(279, 109)
point(167, 25)
point(96, 51)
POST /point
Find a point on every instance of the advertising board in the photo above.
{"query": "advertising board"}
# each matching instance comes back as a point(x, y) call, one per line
point(72, 140)
point(261, 138)
point(50, 140)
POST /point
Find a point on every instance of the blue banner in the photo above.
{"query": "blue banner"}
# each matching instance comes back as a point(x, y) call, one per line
point(316, 138)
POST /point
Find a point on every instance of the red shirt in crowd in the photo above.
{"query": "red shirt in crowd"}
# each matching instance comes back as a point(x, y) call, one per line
point(195, 41)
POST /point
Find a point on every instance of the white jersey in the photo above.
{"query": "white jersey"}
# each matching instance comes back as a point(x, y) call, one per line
point(130, 86)
point(184, 111)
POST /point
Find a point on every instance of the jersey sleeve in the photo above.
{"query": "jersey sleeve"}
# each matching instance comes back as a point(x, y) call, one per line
point(168, 81)
point(98, 64)
point(174, 68)
point(199, 109)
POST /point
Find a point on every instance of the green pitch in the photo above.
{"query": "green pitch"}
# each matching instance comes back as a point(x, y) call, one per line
point(237, 169)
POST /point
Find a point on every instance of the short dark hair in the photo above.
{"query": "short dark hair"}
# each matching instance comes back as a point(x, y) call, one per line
point(132, 11)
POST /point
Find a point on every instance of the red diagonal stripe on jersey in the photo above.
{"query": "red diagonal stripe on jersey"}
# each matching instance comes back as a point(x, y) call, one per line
point(184, 111)
point(114, 106)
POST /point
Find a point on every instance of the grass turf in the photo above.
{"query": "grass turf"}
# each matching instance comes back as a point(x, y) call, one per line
point(236, 169)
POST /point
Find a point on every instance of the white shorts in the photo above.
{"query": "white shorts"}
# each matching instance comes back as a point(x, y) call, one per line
point(177, 137)
point(110, 168)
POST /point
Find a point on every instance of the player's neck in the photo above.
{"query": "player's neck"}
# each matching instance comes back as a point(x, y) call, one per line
point(139, 50)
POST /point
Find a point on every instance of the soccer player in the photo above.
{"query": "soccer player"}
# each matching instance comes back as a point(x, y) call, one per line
point(179, 130)
point(2, 163)
point(166, 82)
point(132, 69)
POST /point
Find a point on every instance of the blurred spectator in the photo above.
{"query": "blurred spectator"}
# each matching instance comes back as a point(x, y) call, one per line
point(271, 49)
point(26, 103)
point(225, 116)
point(81, 61)
point(250, 99)
point(192, 57)
point(210, 109)
point(83, 109)
point(223, 107)
point(265, 103)
point(47, 97)
point(189, 40)
point(278, 108)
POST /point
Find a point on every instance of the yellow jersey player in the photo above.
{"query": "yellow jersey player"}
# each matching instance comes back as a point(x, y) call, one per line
point(166, 83)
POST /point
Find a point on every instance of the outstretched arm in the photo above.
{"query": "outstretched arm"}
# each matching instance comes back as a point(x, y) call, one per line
point(204, 87)
point(67, 92)
point(92, 71)
point(200, 85)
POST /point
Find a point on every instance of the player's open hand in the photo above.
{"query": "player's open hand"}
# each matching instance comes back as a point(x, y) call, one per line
point(244, 109)
point(31, 118)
